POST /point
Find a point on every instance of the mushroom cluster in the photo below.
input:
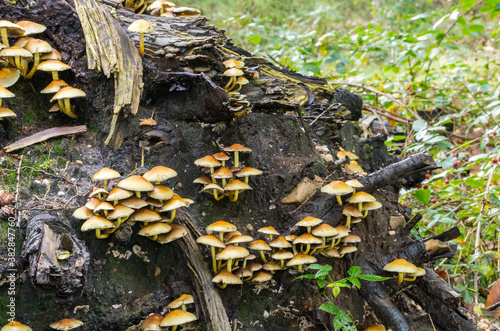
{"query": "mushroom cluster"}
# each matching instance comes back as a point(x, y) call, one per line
point(106, 211)
point(160, 8)
point(230, 186)
point(178, 315)
point(273, 253)
point(238, 103)
point(351, 168)
point(404, 268)
point(14, 62)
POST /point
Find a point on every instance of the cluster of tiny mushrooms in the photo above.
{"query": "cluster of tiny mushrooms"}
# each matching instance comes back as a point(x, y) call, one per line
point(63, 325)
point(15, 61)
point(106, 211)
point(279, 252)
point(178, 315)
point(230, 185)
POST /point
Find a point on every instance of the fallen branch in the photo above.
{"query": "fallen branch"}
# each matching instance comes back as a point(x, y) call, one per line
point(44, 135)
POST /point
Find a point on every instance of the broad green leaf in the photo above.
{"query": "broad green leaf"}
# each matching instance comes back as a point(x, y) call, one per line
point(422, 195)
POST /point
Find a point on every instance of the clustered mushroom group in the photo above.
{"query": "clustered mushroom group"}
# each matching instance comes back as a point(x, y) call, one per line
point(65, 324)
point(161, 8)
point(134, 200)
point(14, 62)
point(235, 70)
point(178, 315)
point(276, 252)
point(230, 186)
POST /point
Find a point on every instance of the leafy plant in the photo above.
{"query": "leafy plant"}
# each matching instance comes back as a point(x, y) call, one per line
point(342, 319)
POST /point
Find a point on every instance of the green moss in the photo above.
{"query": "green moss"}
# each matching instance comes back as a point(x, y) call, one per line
point(367, 151)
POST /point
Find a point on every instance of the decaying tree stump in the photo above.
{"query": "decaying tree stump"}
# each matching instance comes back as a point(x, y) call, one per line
point(114, 284)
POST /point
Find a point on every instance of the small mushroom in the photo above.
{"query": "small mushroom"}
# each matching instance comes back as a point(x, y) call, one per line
point(54, 86)
point(281, 256)
point(359, 198)
point(232, 73)
point(118, 194)
point(31, 27)
point(9, 76)
point(346, 250)
point(182, 301)
point(354, 183)
point(7, 29)
point(222, 173)
point(172, 205)
point(338, 189)
point(308, 222)
point(63, 98)
point(261, 277)
point(376, 327)
point(152, 323)
point(247, 172)
point(83, 213)
point(161, 193)
point(237, 148)
point(145, 215)
point(66, 324)
point(177, 317)
point(221, 227)
point(213, 242)
point(307, 239)
point(97, 223)
point(222, 157)
point(105, 207)
point(15, 325)
point(215, 190)
point(401, 266)
point(152, 231)
point(231, 253)
point(299, 260)
point(272, 266)
point(233, 63)
point(120, 214)
point(159, 174)
point(137, 184)
point(261, 246)
point(141, 27)
point(14, 55)
point(240, 81)
point(324, 231)
point(269, 230)
point(36, 47)
point(177, 232)
point(237, 186)
point(370, 205)
point(53, 66)
point(6, 112)
point(350, 211)
point(226, 278)
point(413, 276)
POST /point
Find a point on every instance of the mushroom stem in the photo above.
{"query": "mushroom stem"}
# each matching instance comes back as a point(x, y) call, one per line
point(308, 248)
point(360, 206)
point(245, 263)
point(282, 263)
point(236, 158)
point(35, 65)
point(138, 194)
point(184, 307)
point(223, 286)
point(99, 235)
point(18, 64)
point(128, 3)
point(232, 85)
point(69, 112)
point(154, 238)
point(141, 45)
point(138, 5)
point(214, 262)
point(55, 75)
point(223, 182)
point(400, 278)
point(61, 106)
point(5, 37)
point(366, 213)
point(234, 198)
point(299, 268)
point(118, 223)
point(348, 223)
point(229, 265)
point(211, 173)
point(339, 200)
point(172, 215)
point(226, 87)
point(341, 255)
point(411, 279)
point(105, 185)
point(143, 9)
point(174, 327)
point(294, 250)
point(270, 237)
point(263, 256)
point(246, 179)
point(239, 88)
point(217, 197)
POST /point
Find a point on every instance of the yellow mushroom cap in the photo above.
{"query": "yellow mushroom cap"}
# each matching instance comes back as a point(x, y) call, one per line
point(9, 76)
point(361, 197)
point(105, 173)
point(259, 245)
point(337, 188)
point(161, 192)
point(307, 238)
point(242, 272)
point(119, 194)
point(269, 230)
point(282, 255)
point(237, 185)
point(134, 202)
point(354, 166)
point(222, 172)
point(226, 277)
point(232, 252)
point(229, 235)
point(83, 213)
point(173, 203)
point(184, 299)
point(271, 266)
point(93, 203)
point(280, 242)
point(354, 183)
point(203, 180)
point(31, 27)
point(221, 226)
point(247, 171)
point(232, 63)
point(371, 205)
point(97, 222)
point(221, 156)
point(96, 191)
point(6, 112)
point(376, 327)
point(174, 234)
point(136, 183)
point(207, 161)
point(347, 250)
point(12, 29)
point(178, 317)
point(153, 202)
point(291, 237)
point(140, 26)
point(309, 221)
point(154, 229)
point(261, 277)
point(242, 81)
point(331, 252)
point(152, 323)
point(342, 154)
point(159, 174)
point(104, 206)
point(421, 272)
point(66, 324)
point(186, 11)
point(120, 212)
point(212, 186)
point(324, 230)
point(232, 72)
point(53, 55)
point(38, 46)
point(21, 42)
point(54, 87)
point(16, 326)
point(52, 65)
point(301, 259)
point(401, 265)
point(4, 93)
point(351, 210)
point(68, 92)
point(238, 239)
point(237, 148)
point(210, 240)
point(254, 266)
point(145, 215)
point(16, 51)
point(342, 232)
point(351, 239)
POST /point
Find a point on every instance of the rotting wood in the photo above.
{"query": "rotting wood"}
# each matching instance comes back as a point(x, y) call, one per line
point(44, 135)
point(212, 305)
point(110, 50)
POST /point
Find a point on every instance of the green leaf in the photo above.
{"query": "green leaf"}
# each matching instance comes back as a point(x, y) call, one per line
point(354, 271)
point(336, 291)
point(422, 195)
point(354, 281)
point(476, 28)
point(254, 39)
point(419, 125)
point(373, 278)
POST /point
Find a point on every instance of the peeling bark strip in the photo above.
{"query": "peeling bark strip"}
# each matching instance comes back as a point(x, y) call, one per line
point(44, 135)
point(211, 302)
point(110, 50)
